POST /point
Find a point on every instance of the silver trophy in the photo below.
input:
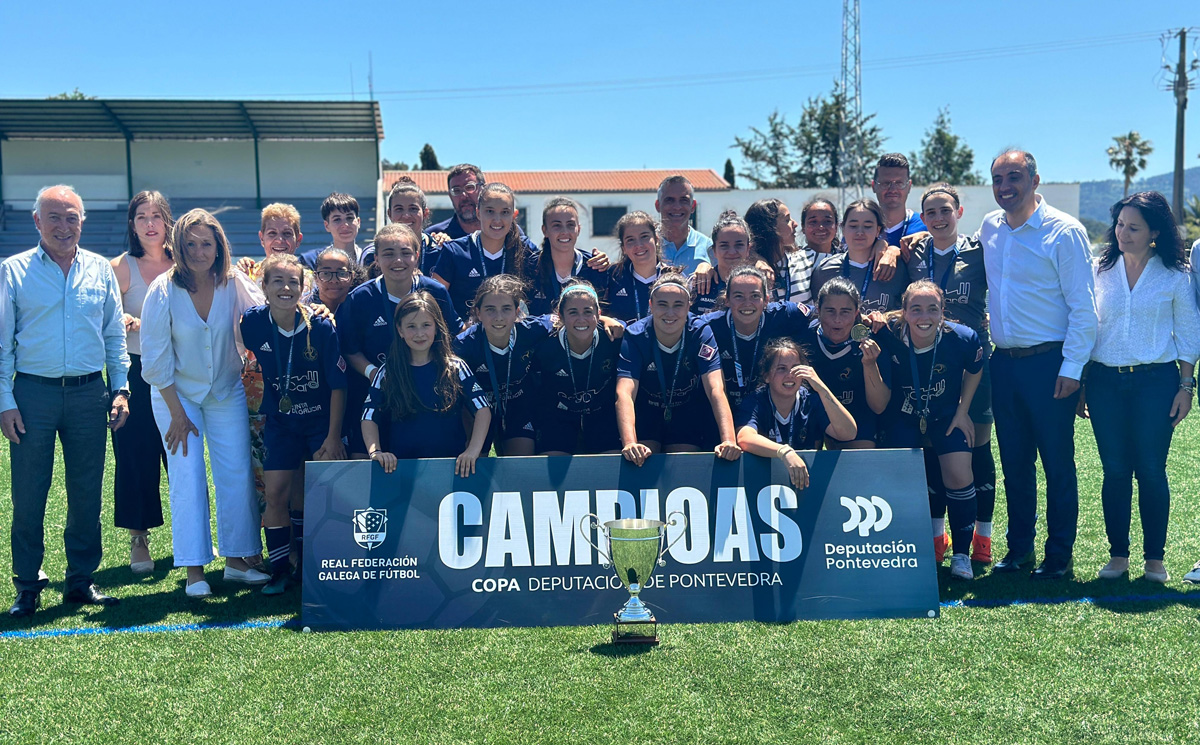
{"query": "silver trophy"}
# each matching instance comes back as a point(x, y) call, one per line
point(634, 548)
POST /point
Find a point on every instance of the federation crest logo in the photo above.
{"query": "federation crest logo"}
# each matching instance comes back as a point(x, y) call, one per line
point(370, 527)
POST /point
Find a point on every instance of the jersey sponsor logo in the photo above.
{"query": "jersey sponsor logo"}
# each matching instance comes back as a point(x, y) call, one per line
point(379, 322)
point(621, 293)
point(266, 347)
point(473, 273)
point(563, 373)
point(866, 514)
point(708, 353)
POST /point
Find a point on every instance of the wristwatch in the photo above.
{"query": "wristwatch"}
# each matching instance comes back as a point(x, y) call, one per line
point(121, 392)
point(1188, 384)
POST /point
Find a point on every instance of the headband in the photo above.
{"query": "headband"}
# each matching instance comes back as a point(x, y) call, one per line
point(671, 279)
point(583, 288)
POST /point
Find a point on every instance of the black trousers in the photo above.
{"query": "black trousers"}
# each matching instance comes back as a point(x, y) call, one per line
point(140, 459)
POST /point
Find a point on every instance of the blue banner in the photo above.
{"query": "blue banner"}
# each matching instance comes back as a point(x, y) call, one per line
point(423, 548)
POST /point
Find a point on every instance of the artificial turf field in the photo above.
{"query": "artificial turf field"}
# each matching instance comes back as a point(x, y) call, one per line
point(1017, 661)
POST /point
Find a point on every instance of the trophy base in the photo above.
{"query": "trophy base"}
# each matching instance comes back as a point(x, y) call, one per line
point(635, 632)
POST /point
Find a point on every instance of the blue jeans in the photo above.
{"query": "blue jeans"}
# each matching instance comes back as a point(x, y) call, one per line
point(1031, 422)
point(1130, 416)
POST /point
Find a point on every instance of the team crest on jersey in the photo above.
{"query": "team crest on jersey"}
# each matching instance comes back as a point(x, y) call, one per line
point(939, 368)
point(979, 354)
point(379, 322)
point(563, 373)
point(708, 353)
point(621, 293)
point(266, 347)
point(606, 366)
point(473, 273)
point(341, 363)
point(370, 527)
point(845, 374)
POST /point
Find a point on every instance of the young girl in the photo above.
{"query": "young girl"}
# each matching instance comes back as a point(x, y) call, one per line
point(747, 323)
point(855, 371)
point(819, 223)
point(550, 269)
point(938, 366)
point(773, 233)
point(336, 275)
point(731, 243)
point(498, 247)
point(671, 354)
point(364, 318)
point(577, 369)
point(862, 225)
point(630, 279)
point(784, 415)
point(407, 206)
point(955, 262)
point(304, 399)
point(419, 397)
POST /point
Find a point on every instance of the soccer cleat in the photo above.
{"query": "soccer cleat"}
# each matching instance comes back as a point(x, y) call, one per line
point(1193, 577)
point(941, 544)
point(981, 549)
point(278, 584)
point(960, 567)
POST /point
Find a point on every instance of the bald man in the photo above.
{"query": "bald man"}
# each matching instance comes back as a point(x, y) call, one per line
point(60, 327)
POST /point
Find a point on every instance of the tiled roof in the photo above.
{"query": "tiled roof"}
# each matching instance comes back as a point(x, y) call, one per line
point(569, 182)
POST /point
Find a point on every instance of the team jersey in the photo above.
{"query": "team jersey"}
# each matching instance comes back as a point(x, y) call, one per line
point(628, 297)
point(957, 351)
point(793, 276)
point(429, 255)
point(428, 433)
point(506, 369)
point(740, 356)
point(803, 427)
point(964, 283)
point(676, 371)
point(543, 293)
point(707, 302)
point(876, 294)
point(840, 368)
point(910, 224)
point(464, 265)
point(311, 353)
point(574, 390)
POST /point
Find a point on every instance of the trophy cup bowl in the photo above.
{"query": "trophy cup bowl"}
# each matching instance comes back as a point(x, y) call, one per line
point(634, 548)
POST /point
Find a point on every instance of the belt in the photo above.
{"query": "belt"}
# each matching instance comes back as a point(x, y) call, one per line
point(1017, 353)
point(1138, 368)
point(70, 381)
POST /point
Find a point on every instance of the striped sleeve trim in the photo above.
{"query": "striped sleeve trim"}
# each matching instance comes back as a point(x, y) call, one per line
point(477, 397)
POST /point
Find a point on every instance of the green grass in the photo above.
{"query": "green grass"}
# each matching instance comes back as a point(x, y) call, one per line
point(1119, 670)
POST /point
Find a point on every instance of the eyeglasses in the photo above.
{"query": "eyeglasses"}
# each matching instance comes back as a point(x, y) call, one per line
point(892, 184)
point(328, 275)
point(469, 190)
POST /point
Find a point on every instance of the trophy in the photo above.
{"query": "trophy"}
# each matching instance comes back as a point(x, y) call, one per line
point(634, 547)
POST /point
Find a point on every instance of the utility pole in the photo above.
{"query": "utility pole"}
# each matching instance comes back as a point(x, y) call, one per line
point(1180, 85)
point(850, 154)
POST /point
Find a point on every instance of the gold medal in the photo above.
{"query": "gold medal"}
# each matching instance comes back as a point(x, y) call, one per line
point(310, 354)
point(923, 424)
point(860, 332)
point(285, 407)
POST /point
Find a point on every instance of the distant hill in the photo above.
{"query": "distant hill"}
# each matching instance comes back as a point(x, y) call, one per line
point(1096, 198)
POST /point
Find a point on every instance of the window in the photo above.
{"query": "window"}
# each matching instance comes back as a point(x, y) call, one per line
point(522, 219)
point(604, 219)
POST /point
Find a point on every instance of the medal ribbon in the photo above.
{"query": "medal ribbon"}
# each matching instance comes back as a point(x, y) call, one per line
point(668, 393)
point(282, 383)
point(926, 395)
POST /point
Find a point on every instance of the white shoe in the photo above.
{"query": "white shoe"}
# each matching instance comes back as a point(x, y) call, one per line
point(198, 589)
point(1193, 577)
point(960, 567)
point(1160, 577)
point(246, 576)
point(1114, 569)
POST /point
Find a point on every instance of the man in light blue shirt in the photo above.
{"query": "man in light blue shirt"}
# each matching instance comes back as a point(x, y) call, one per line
point(1042, 303)
point(682, 245)
point(60, 328)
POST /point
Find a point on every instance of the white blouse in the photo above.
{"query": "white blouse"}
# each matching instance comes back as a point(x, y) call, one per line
point(1156, 321)
point(178, 348)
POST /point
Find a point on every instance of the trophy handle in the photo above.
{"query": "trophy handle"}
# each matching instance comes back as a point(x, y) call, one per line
point(589, 523)
point(662, 562)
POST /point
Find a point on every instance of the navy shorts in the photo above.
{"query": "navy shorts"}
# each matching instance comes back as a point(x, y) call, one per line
point(981, 404)
point(288, 445)
point(565, 434)
point(692, 423)
point(905, 432)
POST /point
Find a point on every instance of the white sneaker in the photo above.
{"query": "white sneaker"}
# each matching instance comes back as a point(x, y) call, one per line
point(249, 576)
point(1193, 577)
point(960, 567)
point(198, 590)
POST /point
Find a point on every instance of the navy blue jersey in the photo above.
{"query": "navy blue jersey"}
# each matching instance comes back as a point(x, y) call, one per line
point(464, 266)
point(640, 361)
point(428, 433)
point(961, 274)
point(317, 367)
point(911, 224)
point(509, 369)
point(957, 351)
point(876, 294)
point(803, 427)
point(778, 319)
point(707, 302)
point(544, 293)
point(840, 368)
point(573, 389)
point(627, 298)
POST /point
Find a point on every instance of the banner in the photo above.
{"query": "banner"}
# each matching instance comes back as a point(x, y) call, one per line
point(423, 548)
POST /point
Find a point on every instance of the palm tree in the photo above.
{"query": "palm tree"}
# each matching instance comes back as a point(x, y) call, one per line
point(1129, 156)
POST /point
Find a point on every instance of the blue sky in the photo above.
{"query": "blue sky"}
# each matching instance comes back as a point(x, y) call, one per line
point(629, 85)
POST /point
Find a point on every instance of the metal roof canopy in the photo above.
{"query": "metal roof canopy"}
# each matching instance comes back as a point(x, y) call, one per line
point(115, 119)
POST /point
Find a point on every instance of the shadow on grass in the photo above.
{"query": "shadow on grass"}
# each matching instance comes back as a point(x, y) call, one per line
point(621, 650)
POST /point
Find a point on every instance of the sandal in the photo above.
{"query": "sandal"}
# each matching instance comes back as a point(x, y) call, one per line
point(144, 566)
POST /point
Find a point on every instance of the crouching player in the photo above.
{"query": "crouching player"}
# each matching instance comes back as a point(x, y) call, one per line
point(304, 394)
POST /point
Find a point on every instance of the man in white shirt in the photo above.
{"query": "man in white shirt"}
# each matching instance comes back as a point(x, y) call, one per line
point(1043, 321)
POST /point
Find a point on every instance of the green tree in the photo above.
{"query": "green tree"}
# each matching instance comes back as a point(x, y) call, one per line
point(394, 166)
point(1191, 220)
point(805, 154)
point(75, 95)
point(730, 175)
point(1128, 156)
point(429, 161)
point(944, 156)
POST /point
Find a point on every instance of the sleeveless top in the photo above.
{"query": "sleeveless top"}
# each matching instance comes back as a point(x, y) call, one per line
point(132, 301)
